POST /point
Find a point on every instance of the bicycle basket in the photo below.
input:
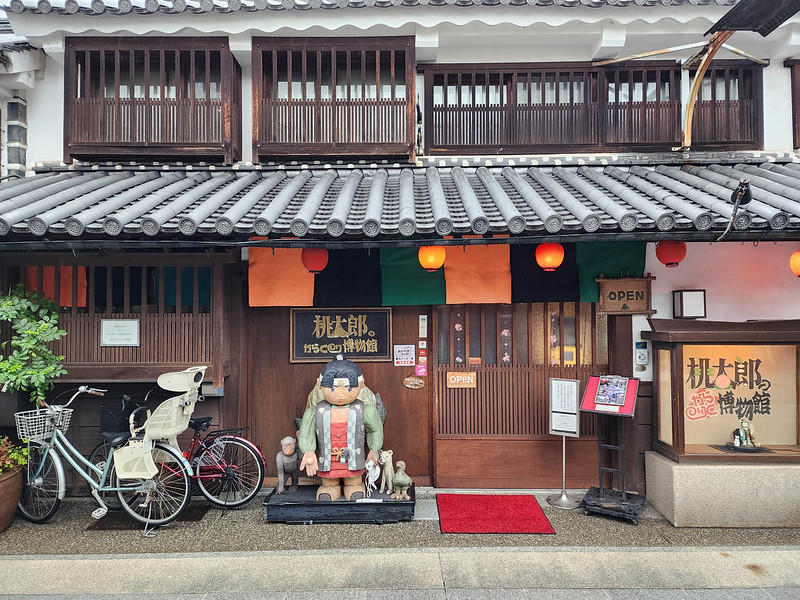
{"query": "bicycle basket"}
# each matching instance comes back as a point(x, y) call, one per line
point(38, 424)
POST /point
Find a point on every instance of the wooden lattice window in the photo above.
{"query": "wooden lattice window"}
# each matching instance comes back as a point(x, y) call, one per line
point(124, 289)
point(333, 96)
point(642, 105)
point(728, 107)
point(579, 107)
point(152, 96)
point(514, 349)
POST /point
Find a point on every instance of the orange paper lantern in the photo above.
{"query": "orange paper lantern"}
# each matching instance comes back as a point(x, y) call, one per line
point(670, 252)
point(431, 257)
point(549, 256)
point(314, 259)
point(794, 263)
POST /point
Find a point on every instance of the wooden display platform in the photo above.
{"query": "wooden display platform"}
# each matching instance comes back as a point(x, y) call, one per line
point(302, 507)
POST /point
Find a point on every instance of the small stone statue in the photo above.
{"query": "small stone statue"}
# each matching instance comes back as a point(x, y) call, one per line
point(288, 461)
point(401, 482)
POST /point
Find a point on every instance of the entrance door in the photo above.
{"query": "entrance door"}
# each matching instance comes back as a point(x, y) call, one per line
point(495, 435)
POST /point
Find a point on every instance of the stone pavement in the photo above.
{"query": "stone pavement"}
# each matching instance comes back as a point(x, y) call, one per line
point(236, 554)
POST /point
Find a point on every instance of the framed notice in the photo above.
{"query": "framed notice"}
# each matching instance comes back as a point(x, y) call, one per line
point(319, 334)
point(119, 332)
point(610, 395)
point(564, 414)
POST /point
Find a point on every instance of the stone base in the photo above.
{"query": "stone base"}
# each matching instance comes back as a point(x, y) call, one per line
point(723, 495)
point(303, 507)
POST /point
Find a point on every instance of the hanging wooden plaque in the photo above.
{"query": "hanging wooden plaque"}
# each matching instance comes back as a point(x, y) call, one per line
point(625, 296)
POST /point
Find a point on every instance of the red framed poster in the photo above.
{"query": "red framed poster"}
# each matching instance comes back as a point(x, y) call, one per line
point(613, 395)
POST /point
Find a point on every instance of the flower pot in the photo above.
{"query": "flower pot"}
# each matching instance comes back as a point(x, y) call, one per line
point(10, 490)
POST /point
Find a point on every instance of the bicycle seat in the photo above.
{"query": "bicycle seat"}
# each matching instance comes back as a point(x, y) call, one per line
point(116, 438)
point(201, 423)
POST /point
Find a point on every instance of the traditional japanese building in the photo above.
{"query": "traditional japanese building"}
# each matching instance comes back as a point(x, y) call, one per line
point(187, 162)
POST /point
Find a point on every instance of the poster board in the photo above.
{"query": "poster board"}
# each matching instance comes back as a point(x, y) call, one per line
point(564, 414)
point(613, 395)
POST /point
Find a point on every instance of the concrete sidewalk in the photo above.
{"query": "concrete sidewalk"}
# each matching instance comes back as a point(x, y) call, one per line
point(236, 554)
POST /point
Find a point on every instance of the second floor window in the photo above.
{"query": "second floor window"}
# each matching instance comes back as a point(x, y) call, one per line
point(152, 97)
point(554, 107)
point(333, 96)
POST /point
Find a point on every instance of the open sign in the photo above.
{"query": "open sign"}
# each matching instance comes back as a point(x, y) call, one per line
point(461, 379)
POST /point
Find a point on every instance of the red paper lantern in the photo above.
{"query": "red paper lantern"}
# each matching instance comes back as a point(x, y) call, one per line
point(549, 256)
point(431, 257)
point(794, 263)
point(314, 259)
point(671, 253)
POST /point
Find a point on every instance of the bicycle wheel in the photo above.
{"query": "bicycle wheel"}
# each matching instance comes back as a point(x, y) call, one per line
point(43, 484)
point(159, 500)
point(229, 472)
point(98, 457)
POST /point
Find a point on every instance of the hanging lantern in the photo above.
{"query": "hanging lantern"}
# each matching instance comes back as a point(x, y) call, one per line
point(671, 253)
point(314, 259)
point(549, 256)
point(794, 263)
point(431, 257)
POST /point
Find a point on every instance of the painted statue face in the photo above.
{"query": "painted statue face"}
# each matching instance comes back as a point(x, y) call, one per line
point(341, 393)
point(288, 449)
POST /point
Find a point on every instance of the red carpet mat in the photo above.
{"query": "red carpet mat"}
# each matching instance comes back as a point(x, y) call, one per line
point(491, 513)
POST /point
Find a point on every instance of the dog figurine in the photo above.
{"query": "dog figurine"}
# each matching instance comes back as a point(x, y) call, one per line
point(385, 459)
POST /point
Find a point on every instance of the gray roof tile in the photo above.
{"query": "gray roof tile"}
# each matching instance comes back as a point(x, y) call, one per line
point(389, 204)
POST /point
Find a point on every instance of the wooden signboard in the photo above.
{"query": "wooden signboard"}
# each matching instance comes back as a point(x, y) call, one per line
point(625, 296)
point(462, 379)
point(319, 334)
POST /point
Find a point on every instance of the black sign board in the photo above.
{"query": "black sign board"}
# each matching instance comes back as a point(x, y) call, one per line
point(319, 334)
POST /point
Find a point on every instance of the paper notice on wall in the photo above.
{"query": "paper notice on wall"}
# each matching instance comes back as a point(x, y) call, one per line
point(404, 355)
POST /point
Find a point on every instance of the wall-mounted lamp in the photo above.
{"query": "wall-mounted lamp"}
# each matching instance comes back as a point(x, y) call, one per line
point(689, 304)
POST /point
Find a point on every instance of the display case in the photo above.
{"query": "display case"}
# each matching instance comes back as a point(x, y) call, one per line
point(716, 380)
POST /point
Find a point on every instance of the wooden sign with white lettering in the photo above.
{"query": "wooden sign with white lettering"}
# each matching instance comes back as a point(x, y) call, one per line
point(462, 379)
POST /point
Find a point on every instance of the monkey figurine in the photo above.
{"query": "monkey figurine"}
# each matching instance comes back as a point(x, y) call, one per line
point(288, 460)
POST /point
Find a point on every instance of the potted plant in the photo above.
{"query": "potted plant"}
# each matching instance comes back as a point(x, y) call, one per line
point(12, 459)
point(29, 364)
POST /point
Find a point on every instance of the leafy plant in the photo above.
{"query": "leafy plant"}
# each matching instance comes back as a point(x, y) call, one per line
point(30, 365)
point(11, 456)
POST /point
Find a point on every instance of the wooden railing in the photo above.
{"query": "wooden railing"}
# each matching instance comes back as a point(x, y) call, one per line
point(145, 121)
point(328, 121)
point(496, 125)
point(642, 122)
point(732, 121)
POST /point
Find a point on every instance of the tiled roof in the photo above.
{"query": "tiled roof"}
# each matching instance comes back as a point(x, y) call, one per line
point(122, 7)
point(538, 200)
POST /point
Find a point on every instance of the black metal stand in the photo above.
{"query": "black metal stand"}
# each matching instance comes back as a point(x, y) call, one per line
point(611, 502)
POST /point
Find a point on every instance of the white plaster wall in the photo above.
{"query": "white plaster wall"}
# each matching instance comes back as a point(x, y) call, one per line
point(777, 108)
point(46, 116)
point(743, 282)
